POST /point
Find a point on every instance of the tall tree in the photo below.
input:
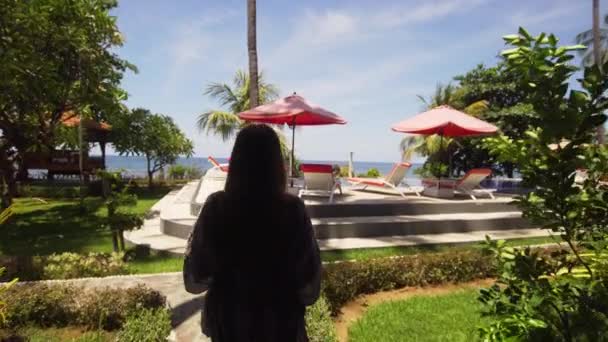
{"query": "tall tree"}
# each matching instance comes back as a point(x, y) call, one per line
point(55, 56)
point(597, 54)
point(253, 53)
point(154, 136)
point(235, 98)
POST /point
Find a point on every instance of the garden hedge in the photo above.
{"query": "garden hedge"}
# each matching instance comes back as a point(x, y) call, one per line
point(344, 281)
point(59, 305)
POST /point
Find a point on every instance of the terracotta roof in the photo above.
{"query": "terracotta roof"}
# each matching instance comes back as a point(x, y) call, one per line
point(72, 119)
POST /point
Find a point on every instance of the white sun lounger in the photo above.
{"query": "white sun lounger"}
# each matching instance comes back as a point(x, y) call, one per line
point(391, 181)
point(469, 184)
point(223, 167)
point(319, 180)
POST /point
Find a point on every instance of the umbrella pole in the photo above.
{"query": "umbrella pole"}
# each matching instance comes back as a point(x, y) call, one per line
point(439, 163)
point(292, 156)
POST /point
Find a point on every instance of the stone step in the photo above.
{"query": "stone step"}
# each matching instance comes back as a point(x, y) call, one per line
point(409, 206)
point(377, 226)
point(158, 241)
point(403, 225)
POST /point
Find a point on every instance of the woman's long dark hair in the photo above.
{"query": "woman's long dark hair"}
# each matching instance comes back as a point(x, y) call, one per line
point(256, 165)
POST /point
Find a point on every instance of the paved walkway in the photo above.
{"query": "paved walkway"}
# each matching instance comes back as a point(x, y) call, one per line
point(185, 306)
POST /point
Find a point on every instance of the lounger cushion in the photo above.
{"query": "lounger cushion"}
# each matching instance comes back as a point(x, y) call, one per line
point(445, 183)
point(316, 168)
point(366, 181)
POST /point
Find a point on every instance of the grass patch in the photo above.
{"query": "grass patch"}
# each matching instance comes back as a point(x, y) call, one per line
point(383, 252)
point(451, 317)
point(156, 263)
point(160, 263)
point(39, 228)
point(74, 334)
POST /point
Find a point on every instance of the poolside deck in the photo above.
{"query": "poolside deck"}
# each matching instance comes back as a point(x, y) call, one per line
point(361, 219)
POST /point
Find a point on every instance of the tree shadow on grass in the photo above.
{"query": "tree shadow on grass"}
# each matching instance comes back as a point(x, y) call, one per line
point(50, 228)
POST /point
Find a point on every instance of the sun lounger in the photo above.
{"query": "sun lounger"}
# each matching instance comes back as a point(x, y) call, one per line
point(319, 180)
point(223, 167)
point(469, 184)
point(391, 181)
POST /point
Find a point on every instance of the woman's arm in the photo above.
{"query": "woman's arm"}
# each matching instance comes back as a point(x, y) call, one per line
point(308, 259)
point(199, 258)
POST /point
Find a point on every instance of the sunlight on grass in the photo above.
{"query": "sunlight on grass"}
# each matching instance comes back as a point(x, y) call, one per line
point(55, 226)
point(452, 317)
point(382, 252)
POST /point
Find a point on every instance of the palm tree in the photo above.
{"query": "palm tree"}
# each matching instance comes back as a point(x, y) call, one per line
point(236, 98)
point(253, 53)
point(596, 41)
point(431, 144)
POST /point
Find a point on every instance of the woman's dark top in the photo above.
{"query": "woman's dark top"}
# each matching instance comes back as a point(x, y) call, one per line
point(260, 263)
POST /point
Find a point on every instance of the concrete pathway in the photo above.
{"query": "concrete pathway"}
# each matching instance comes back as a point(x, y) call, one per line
point(184, 306)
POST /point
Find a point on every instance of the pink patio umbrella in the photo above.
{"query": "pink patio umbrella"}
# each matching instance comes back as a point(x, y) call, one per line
point(294, 111)
point(445, 121)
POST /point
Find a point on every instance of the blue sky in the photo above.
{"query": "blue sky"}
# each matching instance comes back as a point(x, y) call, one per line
point(365, 60)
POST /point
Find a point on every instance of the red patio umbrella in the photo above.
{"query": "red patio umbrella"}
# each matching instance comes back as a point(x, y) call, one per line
point(294, 111)
point(445, 121)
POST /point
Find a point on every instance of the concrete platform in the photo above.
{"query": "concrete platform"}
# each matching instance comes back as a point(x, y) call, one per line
point(360, 220)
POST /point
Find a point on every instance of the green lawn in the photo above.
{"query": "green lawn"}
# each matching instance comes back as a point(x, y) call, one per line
point(39, 228)
point(453, 317)
point(58, 226)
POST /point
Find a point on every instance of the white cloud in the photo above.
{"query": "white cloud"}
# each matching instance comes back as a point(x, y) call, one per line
point(560, 9)
point(427, 11)
point(192, 42)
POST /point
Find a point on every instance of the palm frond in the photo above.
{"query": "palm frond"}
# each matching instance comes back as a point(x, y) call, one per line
point(477, 108)
point(411, 145)
point(222, 92)
point(423, 100)
point(219, 123)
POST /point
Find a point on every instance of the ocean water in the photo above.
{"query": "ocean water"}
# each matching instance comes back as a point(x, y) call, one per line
point(136, 166)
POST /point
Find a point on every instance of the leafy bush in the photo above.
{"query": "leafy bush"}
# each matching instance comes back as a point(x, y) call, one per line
point(432, 170)
point(177, 171)
point(194, 172)
point(42, 304)
point(342, 171)
point(50, 191)
point(113, 306)
point(47, 304)
point(71, 265)
point(561, 297)
point(146, 325)
point(371, 173)
point(3, 289)
point(319, 324)
point(345, 281)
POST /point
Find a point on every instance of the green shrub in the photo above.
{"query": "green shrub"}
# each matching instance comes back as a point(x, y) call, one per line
point(193, 172)
point(319, 325)
point(71, 265)
point(42, 304)
point(47, 304)
point(50, 191)
point(177, 171)
point(109, 308)
point(345, 281)
point(3, 307)
point(152, 325)
point(371, 173)
point(343, 171)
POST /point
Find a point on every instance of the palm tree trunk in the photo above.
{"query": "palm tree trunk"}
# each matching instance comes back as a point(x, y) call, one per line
point(253, 54)
point(597, 56)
